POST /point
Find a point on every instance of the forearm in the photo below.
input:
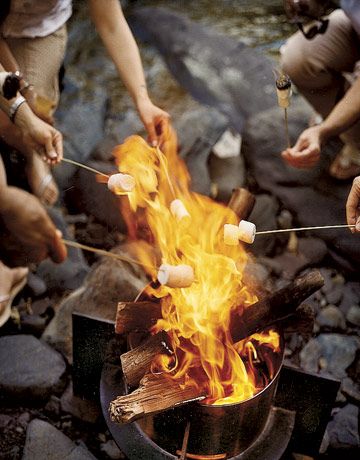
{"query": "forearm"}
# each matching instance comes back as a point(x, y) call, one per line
point(120, 44)
point(344, 114)
point(7, 59)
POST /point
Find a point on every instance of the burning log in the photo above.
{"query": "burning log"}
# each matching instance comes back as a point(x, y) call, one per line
point(280, 306)
point(136, 363)
point(156, 393)
point(242, 202)
point(275, 308)
point(136, 316)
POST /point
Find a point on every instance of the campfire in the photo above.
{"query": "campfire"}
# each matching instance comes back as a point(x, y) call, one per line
point(210, 338)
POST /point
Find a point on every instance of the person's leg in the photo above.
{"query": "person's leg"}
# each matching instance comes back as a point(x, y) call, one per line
point(316, 67)
point(40, 60)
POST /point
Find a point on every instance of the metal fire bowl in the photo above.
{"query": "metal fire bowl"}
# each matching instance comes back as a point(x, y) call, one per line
point(227, 428)
point(137, 445)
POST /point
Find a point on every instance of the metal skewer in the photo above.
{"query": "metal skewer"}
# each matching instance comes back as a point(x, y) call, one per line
point(300, 229)
point(287, 128)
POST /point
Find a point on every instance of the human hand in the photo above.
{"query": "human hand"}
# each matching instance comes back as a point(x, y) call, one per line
point(39, 136)
point(153, 118)
point(353, 205)
point(26, 219)
point(306, 152)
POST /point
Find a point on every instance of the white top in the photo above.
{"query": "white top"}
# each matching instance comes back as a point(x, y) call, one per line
point(35, 18)
point(352, 10)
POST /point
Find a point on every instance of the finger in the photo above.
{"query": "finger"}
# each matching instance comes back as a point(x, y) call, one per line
point(357, 228)
point(58, 144)
point(150, 128)
point(57, 249)
point(351, 207)
point(49, 148)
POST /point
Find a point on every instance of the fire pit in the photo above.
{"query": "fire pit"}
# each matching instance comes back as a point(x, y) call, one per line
point(213, 356)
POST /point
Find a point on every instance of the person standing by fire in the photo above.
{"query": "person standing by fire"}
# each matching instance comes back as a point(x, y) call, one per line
point(33, 42)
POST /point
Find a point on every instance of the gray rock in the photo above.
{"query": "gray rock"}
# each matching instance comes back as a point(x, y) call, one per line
point(264, 217)
point(310, 355)
point(343, 429)
point(351, 389)
point(335, 295)
point(111, 450)
point(314, 249)
point(339, 352)
point(44, 442)
point(226, 174)
point(351, 296)
point(199, 121)
point(95, 199)
point(5, 420)
point(71, 273)
point(216, 69)
point(85, 410)
point(29, 368)
point(353, 315)
point(76, 105)
point(36, 285)
point(117, 129)
point(109, 282)
point(331, 317)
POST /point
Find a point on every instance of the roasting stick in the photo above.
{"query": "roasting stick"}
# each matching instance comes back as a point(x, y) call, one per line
point(300, 229)
point(174, 276)
point(81, 165)
point(119, 183)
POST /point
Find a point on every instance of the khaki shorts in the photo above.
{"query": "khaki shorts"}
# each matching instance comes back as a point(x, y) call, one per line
point(40, 60)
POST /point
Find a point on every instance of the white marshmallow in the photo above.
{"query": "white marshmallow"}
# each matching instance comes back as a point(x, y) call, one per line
point(284, 96)
point(176, 276)
point(121, 183)
point(231, 234)
point(178, 210)
point(247, 231)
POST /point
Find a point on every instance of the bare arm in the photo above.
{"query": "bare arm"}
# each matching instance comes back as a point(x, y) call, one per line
point(121, 45)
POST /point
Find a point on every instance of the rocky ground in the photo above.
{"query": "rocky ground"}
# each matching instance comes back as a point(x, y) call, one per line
point(40, 418)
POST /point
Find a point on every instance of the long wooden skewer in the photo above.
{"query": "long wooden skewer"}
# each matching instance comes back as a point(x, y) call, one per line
point(81, 165)
point(300, 229)
point(102, 252)
point(287, 128)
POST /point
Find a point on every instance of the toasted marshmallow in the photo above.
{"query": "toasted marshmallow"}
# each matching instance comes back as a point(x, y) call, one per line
point(178, 210)
point(121, 183)
point(231, 234)
point(247, 231)
point(284, 96)
point(176, 276)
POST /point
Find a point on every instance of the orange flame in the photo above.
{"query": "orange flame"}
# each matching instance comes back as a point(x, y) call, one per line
point(196, 318)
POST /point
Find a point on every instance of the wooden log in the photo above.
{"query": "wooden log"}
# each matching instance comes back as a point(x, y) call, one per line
point(136, 363)
point(302, 322)
point(156, 393)
point(242, 202)
point(136, 316)
point(274, 308)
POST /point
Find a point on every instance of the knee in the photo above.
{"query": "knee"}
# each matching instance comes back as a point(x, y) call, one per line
point(292, 61)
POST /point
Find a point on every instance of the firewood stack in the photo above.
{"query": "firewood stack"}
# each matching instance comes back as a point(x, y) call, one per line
point(156, 393)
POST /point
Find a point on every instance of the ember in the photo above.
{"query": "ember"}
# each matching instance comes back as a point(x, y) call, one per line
point(196, 318)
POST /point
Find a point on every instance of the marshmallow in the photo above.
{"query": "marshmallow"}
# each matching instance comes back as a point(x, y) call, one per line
point(247, 231)
point(121, 183)
point(3, 77)
point(178, 210)
point(284, 96)
point(176, 276)
point(231, 234)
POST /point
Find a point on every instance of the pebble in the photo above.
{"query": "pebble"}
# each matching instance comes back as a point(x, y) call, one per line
point(353, 315)
point(111, 450)
point(331, 318)
point(343, 429)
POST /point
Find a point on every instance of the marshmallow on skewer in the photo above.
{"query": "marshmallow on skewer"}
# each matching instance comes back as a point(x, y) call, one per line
point(178, 210)
point(284, 91)
point(176, 276)
point(245, 232)
point(231, 234)
point(121, 183)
